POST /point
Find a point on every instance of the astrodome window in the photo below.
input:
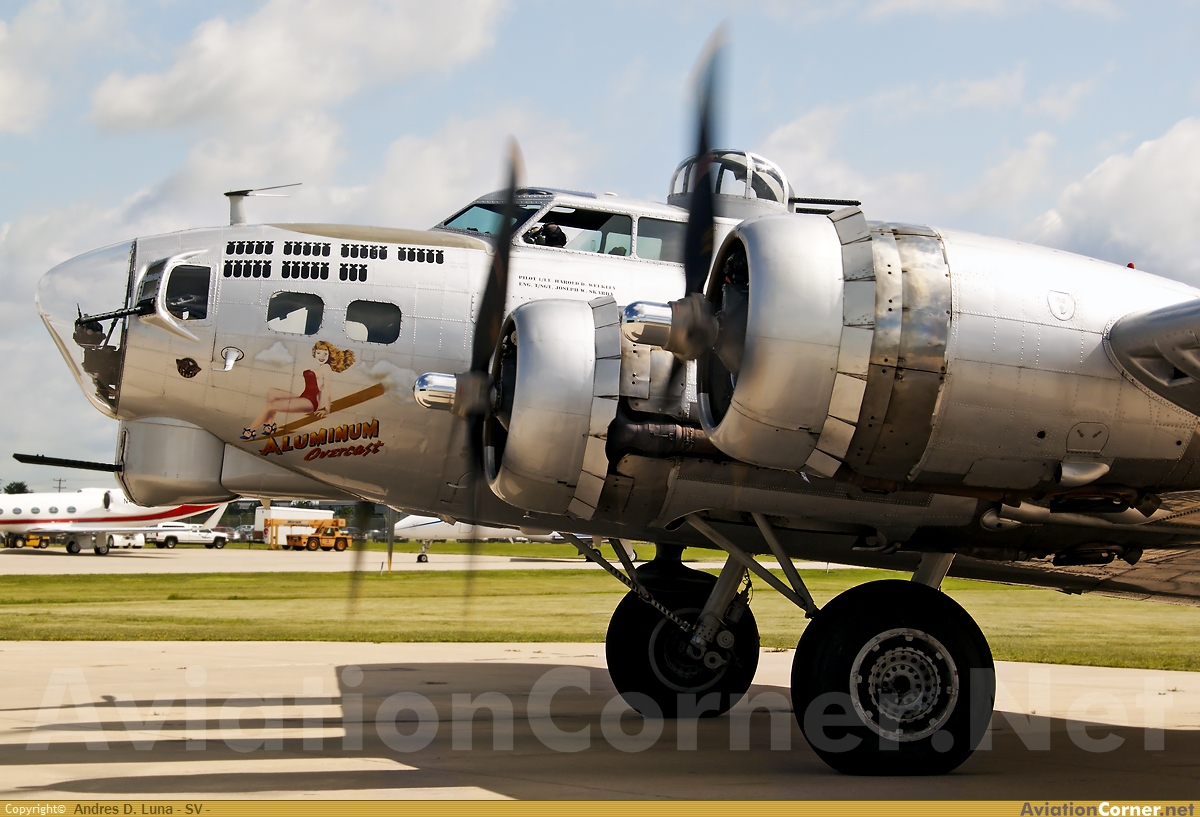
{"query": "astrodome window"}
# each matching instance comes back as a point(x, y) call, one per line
point(295, 313)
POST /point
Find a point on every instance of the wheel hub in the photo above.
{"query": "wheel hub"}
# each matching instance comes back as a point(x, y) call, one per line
point(904, 684)
point(672, 662)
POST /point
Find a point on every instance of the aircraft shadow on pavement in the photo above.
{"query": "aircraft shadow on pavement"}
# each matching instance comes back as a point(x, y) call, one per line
point(598, 769)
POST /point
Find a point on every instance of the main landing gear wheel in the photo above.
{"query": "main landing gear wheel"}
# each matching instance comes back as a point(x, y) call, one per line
point(422, 557)
point(648, 654)
point(73, 547)
point(891, 678)
point(101, 547)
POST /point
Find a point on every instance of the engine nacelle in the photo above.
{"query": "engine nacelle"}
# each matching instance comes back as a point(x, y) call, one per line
point(557, 371)
point(784, 304)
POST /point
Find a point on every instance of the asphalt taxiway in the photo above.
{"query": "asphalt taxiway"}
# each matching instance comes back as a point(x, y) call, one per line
point(56, 561)
point(323, 720)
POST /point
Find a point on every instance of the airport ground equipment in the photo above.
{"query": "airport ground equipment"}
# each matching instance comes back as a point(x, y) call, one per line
point(325, 535)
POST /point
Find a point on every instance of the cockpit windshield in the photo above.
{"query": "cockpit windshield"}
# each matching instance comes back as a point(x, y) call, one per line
point(485, 217)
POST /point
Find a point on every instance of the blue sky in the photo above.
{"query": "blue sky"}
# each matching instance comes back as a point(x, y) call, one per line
point(1072, 123)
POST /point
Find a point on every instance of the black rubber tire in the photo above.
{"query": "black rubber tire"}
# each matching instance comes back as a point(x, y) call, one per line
point(208, 546)
point(218, 543)
point(73, 547)
point(170, 542)
point(945, 732)
point(647, 654)
point(43, 544)
point(313, 543)
point(101, 548)
point(340, 544)
point(160, 544)
point(18, 541)
point(422, 557)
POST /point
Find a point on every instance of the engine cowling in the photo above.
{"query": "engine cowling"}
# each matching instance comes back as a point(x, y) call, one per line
point(557, 372)
point(768, 404)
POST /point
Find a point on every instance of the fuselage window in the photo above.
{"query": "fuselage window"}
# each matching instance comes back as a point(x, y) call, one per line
point(485, 217)
point(187, 292)
point(584, 230)
point(372, 321)
point(16, 510)
point(70, 509)
point(53, 510)
point(296, 313)
point(35, 510)
point(661, 240)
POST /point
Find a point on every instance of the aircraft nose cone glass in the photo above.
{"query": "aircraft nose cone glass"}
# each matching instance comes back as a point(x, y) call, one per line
point(90, 284)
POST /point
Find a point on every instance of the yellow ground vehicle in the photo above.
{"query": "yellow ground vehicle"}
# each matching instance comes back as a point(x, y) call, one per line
point(327, 536)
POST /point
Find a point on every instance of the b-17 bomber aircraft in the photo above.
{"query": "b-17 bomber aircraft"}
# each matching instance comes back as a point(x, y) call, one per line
point(740, 368)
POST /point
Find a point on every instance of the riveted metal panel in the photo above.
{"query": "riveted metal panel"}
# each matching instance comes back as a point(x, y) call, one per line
point(858, 260)
point(858, 306)
point(926, 320)
point(907, 425)
point(854, 356)
point(885, 348)
point(847, 398)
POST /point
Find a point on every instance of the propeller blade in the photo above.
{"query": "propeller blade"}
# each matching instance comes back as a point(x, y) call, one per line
point(698, 242)
point(363, 511)
point(491, 307)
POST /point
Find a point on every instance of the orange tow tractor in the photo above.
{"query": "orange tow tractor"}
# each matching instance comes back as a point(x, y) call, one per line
point(328, 536)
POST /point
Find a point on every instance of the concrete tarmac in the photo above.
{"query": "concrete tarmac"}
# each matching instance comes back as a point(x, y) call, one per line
point(55, 561)
point(210, 720)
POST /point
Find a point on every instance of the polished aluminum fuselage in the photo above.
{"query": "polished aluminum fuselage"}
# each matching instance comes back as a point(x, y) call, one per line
point(1022, 366)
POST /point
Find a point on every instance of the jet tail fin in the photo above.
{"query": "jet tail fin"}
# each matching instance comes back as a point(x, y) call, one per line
point(216, 516)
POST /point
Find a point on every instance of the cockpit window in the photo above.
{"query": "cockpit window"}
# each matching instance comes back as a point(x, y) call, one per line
point(586, 230)
point(373, 321)
point(187, 292)
point(296, 313)
point(660, 240)
point(485, 217)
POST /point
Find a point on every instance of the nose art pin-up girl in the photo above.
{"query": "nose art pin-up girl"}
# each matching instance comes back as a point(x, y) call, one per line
point(315, 397)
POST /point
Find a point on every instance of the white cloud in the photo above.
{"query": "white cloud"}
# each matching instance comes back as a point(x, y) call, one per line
point(1021, 174)
point(426, 179)
point(42, 39)
point(884, 8)
point(1141, 207)
point(1001, 91)
point(806, 150)
point(1062, 101)
point(295, 55)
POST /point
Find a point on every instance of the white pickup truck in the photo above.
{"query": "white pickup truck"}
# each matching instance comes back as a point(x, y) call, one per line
point(170, 534)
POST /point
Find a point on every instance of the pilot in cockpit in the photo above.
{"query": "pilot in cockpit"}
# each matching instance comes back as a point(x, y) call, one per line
point(546, 234)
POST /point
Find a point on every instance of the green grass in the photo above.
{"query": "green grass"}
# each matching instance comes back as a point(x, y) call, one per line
point(1022, 624)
